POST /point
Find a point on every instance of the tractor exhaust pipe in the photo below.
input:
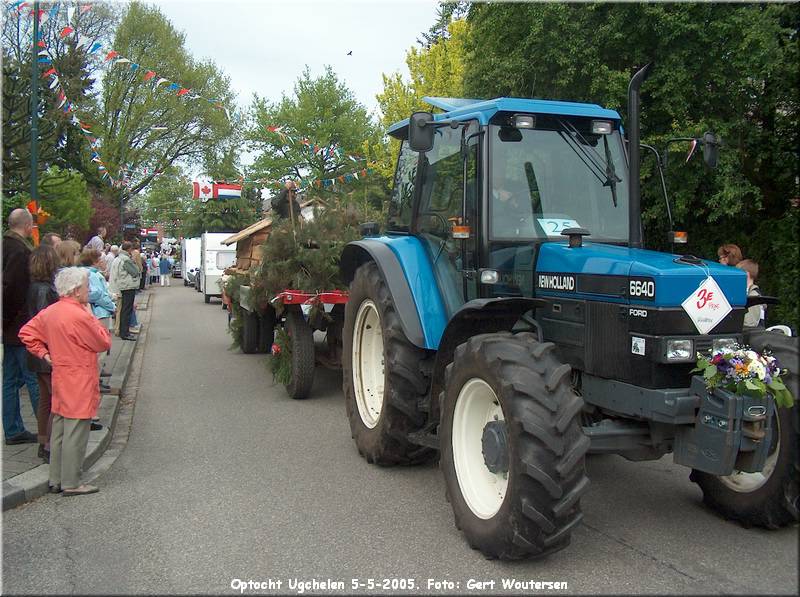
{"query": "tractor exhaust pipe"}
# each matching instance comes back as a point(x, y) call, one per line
point(635, 196)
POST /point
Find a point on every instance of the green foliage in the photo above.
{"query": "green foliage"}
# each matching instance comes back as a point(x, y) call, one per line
point(326, 112)
point(64, 195)
point(311, 262)
point(230, 215)
point(60, 142)
point(150, 129)
point(727, 68)
point(166, 202)
point(281, 362)
point(436, 70)
point(230, 286)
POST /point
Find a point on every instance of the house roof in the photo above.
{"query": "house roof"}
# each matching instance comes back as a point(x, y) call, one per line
point(249, 231)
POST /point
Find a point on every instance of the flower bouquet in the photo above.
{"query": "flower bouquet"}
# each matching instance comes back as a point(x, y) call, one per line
point(743, 371)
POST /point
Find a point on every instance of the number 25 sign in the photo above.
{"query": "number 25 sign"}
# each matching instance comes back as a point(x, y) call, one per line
point(707, 306)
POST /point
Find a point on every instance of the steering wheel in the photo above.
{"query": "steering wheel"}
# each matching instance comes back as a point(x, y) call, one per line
point(440, 217)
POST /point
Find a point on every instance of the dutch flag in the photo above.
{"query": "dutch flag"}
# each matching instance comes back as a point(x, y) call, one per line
point(227, 191)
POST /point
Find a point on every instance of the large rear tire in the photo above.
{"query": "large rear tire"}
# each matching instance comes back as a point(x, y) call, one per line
point(767, 499)
point(385, 377)
point(249, 331)
point(302, 338)
point(513, 450)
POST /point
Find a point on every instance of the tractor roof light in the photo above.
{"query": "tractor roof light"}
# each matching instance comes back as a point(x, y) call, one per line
point(523, 121)
point(489, 276)
point(602, 127)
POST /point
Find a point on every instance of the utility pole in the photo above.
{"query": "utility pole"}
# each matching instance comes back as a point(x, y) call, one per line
point(35, 117)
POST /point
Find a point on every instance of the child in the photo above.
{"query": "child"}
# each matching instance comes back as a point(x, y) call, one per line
point(755, 314)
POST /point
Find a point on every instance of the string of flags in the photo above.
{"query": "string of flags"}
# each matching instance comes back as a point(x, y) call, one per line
point(326, 151)
point(232, 190)
point(69, 108)
point(113, 58)
point(44, 57)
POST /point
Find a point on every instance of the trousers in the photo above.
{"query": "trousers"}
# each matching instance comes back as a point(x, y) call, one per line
point(68, 441)
point(125, 312)
point(43, 417)
point(15, 375)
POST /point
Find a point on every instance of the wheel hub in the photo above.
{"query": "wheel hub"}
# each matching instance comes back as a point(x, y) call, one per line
point(494, 444)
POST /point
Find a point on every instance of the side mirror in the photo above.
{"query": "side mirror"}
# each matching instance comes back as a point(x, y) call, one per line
point(711, 145)
point(420, 133)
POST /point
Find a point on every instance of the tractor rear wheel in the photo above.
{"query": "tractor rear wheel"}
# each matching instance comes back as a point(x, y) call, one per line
point(384, 376)
point(302, 345)
point(249, 331)
point(770, 498)
point(512, 446)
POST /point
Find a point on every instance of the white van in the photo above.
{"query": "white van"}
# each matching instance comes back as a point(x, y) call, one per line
point(190, 257)
point(214, 258)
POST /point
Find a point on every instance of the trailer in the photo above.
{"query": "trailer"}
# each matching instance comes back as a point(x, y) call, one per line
point(301, 314)
point(214, 259)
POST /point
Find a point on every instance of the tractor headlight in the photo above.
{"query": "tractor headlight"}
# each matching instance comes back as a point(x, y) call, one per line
point(724, 344)
point(679, 350)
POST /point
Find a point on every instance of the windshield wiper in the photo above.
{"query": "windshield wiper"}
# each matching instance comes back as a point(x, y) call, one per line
point(603, 167)
point(611, 175)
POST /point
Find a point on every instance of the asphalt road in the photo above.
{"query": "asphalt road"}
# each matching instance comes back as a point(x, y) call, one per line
point(224, 479)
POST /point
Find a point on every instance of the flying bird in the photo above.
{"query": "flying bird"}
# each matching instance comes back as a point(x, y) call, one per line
point(350, 53)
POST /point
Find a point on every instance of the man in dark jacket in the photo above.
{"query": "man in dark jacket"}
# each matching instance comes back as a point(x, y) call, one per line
point(280, 204)
point(16, 279)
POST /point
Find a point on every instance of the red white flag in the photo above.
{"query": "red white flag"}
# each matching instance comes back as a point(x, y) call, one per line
point(202, 190)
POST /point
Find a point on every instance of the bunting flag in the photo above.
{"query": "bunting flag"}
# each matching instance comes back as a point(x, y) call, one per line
point(111, 55)
point(308, 145)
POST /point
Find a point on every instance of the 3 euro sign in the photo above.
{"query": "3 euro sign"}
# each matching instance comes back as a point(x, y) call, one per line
point(707, 306)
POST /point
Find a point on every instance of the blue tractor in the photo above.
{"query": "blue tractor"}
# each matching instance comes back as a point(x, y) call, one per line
point(510, 321)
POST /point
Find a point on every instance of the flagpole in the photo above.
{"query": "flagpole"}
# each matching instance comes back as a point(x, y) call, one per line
point(35, 120)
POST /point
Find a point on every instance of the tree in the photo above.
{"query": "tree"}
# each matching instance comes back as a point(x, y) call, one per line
point(325, 113)
point(145, 126)
point(744, 88)
point(218, 216)
point(167, 202)
point(60, 142)
point(436, 70)
point(64, 195)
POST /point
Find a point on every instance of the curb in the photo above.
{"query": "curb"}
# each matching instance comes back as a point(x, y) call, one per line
point(35, 482)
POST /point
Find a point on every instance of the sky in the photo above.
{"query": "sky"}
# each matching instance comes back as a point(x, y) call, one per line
point(264, 45)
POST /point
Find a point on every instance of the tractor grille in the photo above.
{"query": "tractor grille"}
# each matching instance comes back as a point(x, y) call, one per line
point(607, 341)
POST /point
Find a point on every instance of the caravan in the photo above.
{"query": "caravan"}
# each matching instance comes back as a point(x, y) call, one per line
point(214, 258)
point(190, 259)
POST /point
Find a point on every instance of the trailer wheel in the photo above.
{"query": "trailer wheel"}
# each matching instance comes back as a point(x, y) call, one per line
point(768, 499)
point(385, 377)
point(249, 331)
point(512, 446)
point(207, 298)
point(302, 339)
point(266, 331)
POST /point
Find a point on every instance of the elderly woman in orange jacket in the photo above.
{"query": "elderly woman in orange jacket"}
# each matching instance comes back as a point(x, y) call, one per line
point(67, 335)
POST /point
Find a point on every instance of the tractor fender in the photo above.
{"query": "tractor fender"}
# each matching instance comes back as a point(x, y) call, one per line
point(479, 316)
point(393, 271)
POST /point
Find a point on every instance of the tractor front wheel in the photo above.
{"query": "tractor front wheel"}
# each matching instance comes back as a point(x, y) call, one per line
point(512, 446)
point(770, 498)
